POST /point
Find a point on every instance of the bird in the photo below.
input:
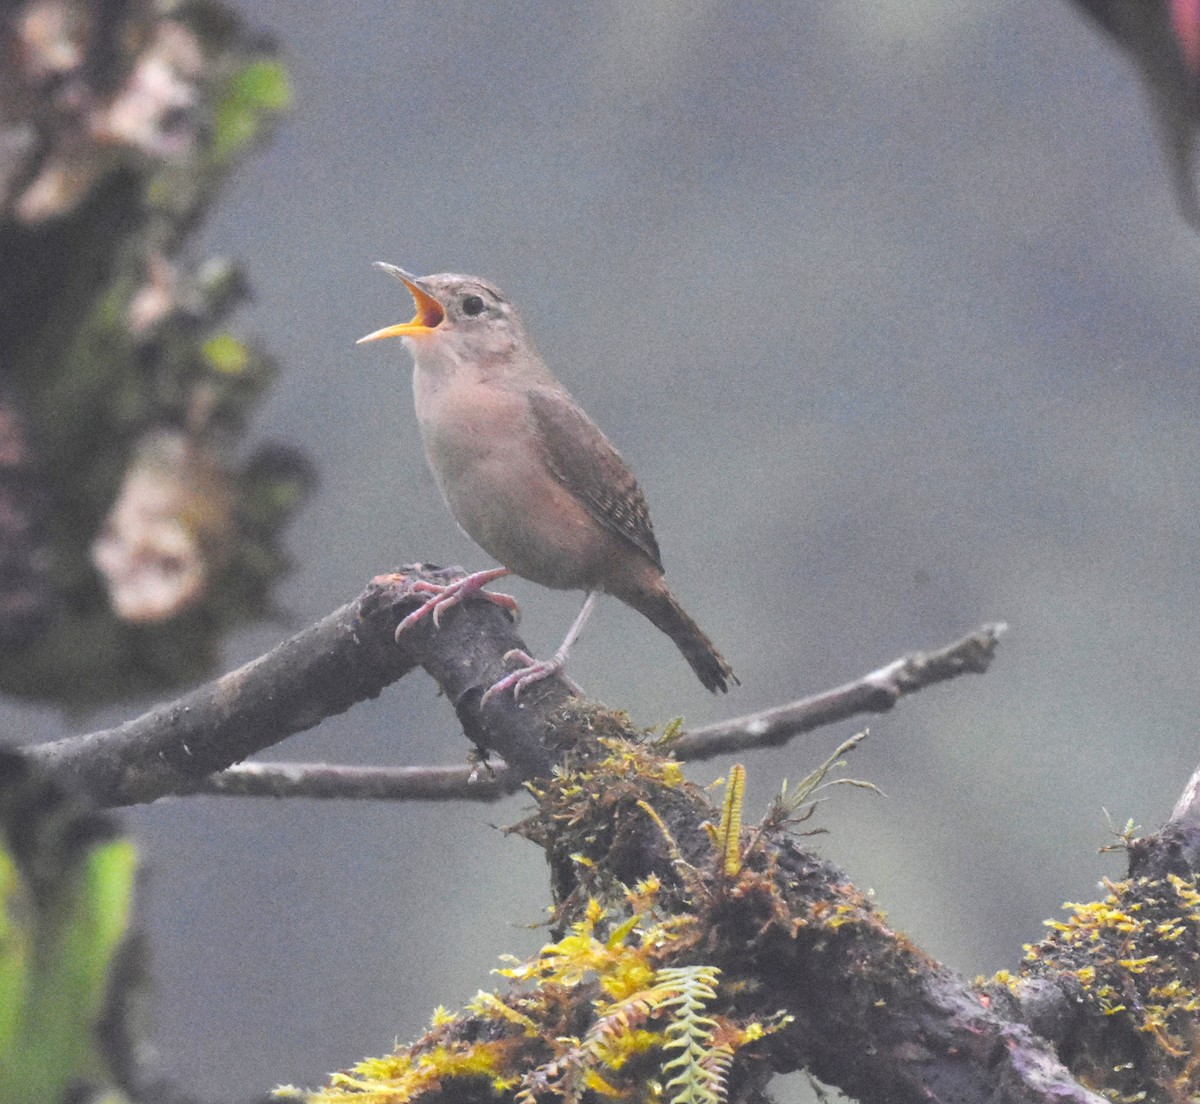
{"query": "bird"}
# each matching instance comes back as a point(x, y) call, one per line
point(528, 475)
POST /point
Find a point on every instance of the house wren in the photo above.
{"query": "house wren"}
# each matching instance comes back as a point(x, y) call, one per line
point(528, 474)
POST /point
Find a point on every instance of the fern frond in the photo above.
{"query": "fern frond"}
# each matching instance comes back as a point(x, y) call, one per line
point(789, 804)
point(729, 834)
point(679, 993)
point(716, 1063)
point(690, 1032)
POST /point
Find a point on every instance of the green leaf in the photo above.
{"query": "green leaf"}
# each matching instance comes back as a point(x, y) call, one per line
point(66, 887)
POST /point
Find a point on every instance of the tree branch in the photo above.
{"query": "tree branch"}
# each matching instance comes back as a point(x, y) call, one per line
point(875, 692)
point(347, 657)
point(645, 882)
point(332, 780)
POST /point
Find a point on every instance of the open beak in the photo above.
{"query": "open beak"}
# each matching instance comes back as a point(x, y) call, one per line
point(429, 316)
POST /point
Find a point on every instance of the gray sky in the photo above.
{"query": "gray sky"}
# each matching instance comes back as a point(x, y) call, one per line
point(889, 307)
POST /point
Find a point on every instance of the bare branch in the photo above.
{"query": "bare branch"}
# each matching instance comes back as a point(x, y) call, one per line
point(329, 780)
point(876, 692)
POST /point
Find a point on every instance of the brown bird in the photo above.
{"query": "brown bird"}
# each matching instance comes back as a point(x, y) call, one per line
point(528, 474)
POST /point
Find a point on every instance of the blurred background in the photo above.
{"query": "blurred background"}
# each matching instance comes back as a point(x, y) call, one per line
point(890, 307)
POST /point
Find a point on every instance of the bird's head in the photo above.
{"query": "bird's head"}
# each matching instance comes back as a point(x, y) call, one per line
point(459, 318)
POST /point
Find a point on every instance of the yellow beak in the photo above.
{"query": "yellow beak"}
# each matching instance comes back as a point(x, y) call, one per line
point(430, 313)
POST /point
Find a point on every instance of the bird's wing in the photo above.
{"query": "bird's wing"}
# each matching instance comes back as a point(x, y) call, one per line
point(584, 461)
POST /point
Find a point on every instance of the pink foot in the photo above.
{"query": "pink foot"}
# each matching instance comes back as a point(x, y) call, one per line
point(531, 671)
point(444, 596)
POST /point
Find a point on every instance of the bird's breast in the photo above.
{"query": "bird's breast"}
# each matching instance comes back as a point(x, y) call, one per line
point(486, 457)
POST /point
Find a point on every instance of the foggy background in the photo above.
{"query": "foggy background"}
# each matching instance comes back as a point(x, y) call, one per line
point(889, 307)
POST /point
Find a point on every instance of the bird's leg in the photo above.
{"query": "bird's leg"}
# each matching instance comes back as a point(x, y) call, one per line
point(534, 670)
point(444, 596)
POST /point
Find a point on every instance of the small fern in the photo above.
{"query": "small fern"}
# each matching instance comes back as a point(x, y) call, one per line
point(727, 838)
point(696, 1079)
point(697, 1073)
point(797, 803)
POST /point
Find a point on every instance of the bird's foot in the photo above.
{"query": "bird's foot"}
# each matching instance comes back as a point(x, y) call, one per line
point(531, 671)
point(444, 596)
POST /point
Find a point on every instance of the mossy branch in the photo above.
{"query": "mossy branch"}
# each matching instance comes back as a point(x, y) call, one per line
point(673, 979)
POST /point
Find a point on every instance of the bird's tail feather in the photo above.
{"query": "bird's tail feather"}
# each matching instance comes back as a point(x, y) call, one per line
point(661, 608)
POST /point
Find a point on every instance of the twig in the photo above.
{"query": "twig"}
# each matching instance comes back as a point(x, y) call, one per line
point(328, 780)
point(873, 693)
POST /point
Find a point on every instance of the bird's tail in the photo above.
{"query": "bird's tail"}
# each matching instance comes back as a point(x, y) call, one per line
point(658, 604)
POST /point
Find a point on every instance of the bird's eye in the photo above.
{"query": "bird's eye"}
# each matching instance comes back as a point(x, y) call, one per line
point(472, 305)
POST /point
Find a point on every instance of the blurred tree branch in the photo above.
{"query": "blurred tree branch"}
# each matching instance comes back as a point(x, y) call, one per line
point(136, 526)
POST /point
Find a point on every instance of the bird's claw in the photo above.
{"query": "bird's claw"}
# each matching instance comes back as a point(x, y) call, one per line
point(531, 671)
point(444, 596)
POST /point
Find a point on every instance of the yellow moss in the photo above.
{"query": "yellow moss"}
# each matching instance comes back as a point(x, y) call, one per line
point(489, 1006)
point(595, 1012)
point(631, 1043)
point(1136, 955)
point(592, 1080)
point(629, 760)
point(1186, 892)
point(622, 933)
point(1136, 965)
point(476, 1059)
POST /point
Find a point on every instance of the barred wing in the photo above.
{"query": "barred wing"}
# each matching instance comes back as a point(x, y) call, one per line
point(584, 461)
